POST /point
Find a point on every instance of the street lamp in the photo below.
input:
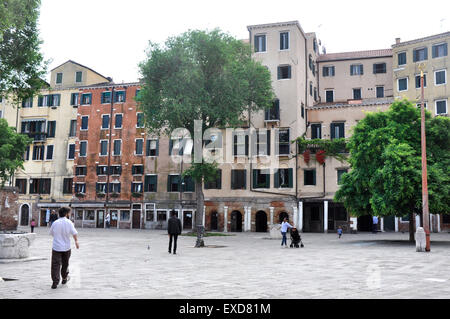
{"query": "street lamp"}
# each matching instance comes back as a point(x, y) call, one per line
point(425, 211)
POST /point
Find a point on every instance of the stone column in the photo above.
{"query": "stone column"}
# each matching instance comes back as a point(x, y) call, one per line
point(249, 213)
point(354, 221)
point(194, 216)
point(431, 223)
point(382, 224)
point(225, 219)
point(204, 215)
point(180, 216)
point(295, 217)
point(300, 216)
point(155, 215)
point(396, 224)
point(271, 215)
point(325, 216)
point(245, 218)
point(438, 222)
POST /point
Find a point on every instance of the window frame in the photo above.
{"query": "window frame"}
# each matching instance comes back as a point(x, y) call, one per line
point(407, 84)
point(79, 150)
point(107, 151)
point(256, 48)
point(288, 40)
point(446, 106)
point(114, 147)
point(445, 77)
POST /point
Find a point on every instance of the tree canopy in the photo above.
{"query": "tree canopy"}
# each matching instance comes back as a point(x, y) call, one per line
point(385, 158)
point(12, 148)
point(21, 63)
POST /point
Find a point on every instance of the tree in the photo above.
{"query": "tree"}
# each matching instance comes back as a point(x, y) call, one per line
point(21, 63)
point(201, 76)
point(385, 159)
point(12, 148)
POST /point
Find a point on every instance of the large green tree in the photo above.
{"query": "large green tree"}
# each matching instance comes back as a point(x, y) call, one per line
point(385, 158)
point(21, 64)
point(12, 148)
point(201, 76)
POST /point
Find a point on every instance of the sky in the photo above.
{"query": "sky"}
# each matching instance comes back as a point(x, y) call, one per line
point(111, 36)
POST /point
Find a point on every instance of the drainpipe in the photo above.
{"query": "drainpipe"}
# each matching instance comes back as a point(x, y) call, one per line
point(108, 170)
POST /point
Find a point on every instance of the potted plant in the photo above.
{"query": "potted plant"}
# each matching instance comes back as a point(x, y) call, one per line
point(80, 195)
point(101, 194)
point(136, 195)
point(115, 195)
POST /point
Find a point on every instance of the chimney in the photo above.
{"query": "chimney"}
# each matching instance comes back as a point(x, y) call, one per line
point(397, 40)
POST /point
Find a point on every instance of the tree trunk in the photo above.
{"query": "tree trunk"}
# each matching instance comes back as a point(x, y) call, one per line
point(199, 215)
point(412, 226)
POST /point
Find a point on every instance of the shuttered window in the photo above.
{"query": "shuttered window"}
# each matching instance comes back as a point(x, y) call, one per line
point(337, 130)
point(261, 178)
point(151, 183)
point(283, 178)
point(284, 72)
point(238, 179)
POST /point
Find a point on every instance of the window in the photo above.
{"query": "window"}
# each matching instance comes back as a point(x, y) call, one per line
point(161, 215)
point(284, 178)
point(102, 170)
point(49, 155)
point(152, 148)
point(78, 76)
point(440, 77)
point(402, 84)
point(217, 183)
point(262, 142)
point(26, 156)
point(114, 188)
point(420, 54)
point(329, 94)
point(106, 97)
point(83, 148)
point(261, 178)
point(54, 99)
point(446, 218)
point(260, 43)
point(28, 102)
point(379, 68)
point(67, 185)
point(356, 69)
point(138, 91)
point(74, 99)
point(40, 185)
point(73, 128)
point(115, 170)
point(151, 183)
point(125, 215)
point(136, 187)
point(439, 50)
point(337, 130)
point(80, 171)
point(418, 84)
point(425, 105)
point(118, 122)
point(315, 94)
point(238, 179)
point(79, 215)
point(51, 128)
point(38, 152)
point(273, 114)
point(34, 129)
point(380, 91)
point(173, 183)
point(71, 152)
point(100, 187)
point(401, 58)
point(310, 177)
point(316, 131)
point(357, 94)
point(340, 172)
point(137, 169)
point(284, 72)
point(302, 110)
point(284, 40)
point(21, 184)
point(43, 100)
point(84, 123)
point(105, 121)
point(140, 120)
point(119, 96)
point(149, 213)
point(283, 142)
point(89, 215)
point(310, 88)
point(328, 71)
point(86, 99)
point(240, 143)
point(139, 146)
point(104, 148)
point(441, 107)
point(59, 78)
point(117, 150)
point(188, 184)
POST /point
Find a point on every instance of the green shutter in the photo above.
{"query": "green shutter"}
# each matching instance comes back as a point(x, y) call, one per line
point(276, 177)
point(291, 178)
point(267, 180)
point(255, 175)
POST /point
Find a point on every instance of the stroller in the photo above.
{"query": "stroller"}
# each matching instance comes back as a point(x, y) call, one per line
point(296, 239)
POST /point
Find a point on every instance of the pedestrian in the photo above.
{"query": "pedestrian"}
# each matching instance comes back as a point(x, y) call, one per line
point(375, 224)
point(174, 229)
point(53, 217)
point(107, 220)
point(339, 231)
point(284, 228)
point(32, 224)
point(62, 229)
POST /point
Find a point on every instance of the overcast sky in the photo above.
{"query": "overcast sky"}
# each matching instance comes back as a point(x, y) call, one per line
point(111, 36)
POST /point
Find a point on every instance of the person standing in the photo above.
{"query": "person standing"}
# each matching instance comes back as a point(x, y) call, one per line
point(61, 230)
point(284, 228)
point(174, 229)
point(32, 225)
point(339, 231)
point(53, 217)
point(107, 220)
point(375, 224)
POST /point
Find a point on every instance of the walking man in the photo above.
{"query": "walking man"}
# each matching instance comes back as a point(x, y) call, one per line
point(174, 229)
point(375, 224)
point(62, 229)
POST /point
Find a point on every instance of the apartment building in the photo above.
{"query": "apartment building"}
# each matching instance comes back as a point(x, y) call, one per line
point(45, 182)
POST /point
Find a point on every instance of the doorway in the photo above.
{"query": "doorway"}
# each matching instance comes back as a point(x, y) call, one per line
point(313, 218)
point(43, 217)
point(24, 215)
point(389, 223)
point(100, 219)
point(114, 218)
point(136, 222)
point(261, 222)
point(282, 216)
point(187, 220)
point(214, 221)
point(236, 221)
point(365, 223)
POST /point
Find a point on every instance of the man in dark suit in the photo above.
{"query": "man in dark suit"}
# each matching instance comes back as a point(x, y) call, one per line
point(174, 229)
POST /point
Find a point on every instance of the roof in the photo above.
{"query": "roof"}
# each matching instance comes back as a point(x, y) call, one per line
point(431, 37)
point(277, 24)
point(353, 103)
point(108, 85)
point(355, 55)
point(70, 61)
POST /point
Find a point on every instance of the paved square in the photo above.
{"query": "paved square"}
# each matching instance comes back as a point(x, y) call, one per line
point(118, 264)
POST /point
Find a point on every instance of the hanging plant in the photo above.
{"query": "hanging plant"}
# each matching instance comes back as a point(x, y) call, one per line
point(320, 156)
point(307, 156)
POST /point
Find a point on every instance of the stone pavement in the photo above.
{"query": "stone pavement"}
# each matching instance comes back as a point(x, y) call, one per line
point(118, 264)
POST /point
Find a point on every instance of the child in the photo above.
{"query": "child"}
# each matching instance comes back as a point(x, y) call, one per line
point(33, 223)
point(339, 231)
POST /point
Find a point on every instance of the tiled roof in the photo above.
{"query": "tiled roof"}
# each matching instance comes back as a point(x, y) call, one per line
point(355, 55)
point(353, 103)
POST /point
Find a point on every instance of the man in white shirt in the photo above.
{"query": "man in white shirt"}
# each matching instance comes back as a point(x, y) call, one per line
point(284, 228)
point(61, 231)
